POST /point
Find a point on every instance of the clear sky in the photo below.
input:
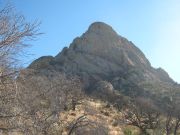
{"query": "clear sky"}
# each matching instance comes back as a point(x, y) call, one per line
point(153, 25)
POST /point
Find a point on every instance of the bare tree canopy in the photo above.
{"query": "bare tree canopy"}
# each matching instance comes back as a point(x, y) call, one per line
point(14, 32)
point(143, 113)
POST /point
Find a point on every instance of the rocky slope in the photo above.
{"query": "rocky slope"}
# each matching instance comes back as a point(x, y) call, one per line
point(100, 54)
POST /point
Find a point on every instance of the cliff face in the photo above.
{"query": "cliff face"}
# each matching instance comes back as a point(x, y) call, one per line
point(100, 54)
point(102, 51)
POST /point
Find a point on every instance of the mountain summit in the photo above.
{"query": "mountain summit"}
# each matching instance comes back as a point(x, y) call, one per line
point(100, 54)
point(101, 27)
point(101, 40)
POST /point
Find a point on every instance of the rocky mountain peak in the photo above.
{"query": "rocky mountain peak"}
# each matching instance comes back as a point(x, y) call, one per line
point(101, 54)
point(102, 41)
point(101, 28)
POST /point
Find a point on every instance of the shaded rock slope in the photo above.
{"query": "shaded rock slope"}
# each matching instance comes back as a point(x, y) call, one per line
point(100, 54)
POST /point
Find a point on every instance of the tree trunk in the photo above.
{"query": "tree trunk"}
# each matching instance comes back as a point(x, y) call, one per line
point(176, 126)
point(73, 105)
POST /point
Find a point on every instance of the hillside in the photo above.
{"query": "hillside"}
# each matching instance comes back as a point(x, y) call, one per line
point(102, 84)
point(100, 54)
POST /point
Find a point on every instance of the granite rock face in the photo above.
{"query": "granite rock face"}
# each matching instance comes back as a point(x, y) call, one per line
point(101, 51)
point(100, 54)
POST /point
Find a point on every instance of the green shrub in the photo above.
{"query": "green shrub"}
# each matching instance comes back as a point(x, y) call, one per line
point(127, 131)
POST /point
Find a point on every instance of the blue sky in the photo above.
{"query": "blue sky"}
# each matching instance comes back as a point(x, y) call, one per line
point(153, 25)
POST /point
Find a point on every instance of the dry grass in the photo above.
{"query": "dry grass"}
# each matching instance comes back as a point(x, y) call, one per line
point(97, 112)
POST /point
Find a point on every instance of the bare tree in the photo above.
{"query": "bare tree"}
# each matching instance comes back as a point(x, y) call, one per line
point(143, 114)
point(14, 32)
point(42, 98)
point(73, 95)
point(172, 115)
point(82, 125)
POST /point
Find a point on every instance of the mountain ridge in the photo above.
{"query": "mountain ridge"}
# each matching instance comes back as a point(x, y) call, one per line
point(101, 54)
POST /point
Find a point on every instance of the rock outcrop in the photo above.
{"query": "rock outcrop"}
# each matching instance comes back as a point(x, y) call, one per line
point(100, 54)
